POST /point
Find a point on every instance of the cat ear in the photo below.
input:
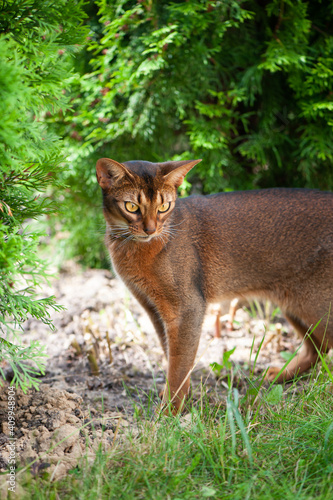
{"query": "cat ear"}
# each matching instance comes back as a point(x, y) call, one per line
point(175, 171)
point(108, 171)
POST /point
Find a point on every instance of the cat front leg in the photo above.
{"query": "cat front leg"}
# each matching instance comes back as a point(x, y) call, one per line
point(178, 323)
point(183, 335)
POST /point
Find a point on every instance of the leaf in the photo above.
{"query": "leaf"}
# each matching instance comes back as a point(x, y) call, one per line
point(226, 356)
point(216, 368)
point(274, 396)
point(207, 492)
point(286, 355)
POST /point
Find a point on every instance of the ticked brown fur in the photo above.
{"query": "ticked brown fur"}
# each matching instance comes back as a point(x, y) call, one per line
point(275, 244)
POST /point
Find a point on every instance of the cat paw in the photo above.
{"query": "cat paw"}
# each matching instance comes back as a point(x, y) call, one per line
point(272, 372)
point(175, 405)
point(167, 409)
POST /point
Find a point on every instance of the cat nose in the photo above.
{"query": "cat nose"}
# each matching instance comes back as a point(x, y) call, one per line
point(149, 230)
point(149, 227)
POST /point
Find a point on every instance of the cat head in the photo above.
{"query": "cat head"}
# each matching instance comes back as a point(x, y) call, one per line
point(139, 196)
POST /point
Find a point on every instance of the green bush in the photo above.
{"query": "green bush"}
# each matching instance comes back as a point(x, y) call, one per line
point(37, 39)
point(246, 86)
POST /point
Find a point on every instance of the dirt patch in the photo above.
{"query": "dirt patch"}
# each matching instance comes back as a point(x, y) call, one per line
point(105, 363)
point(52, 431)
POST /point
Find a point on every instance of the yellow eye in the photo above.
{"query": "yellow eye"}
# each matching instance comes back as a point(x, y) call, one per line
point(131, 207)
point(164, 208)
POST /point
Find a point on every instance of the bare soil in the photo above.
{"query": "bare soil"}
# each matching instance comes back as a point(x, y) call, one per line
point(105, 365)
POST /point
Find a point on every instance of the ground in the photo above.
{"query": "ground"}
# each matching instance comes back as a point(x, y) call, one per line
point(105, 364)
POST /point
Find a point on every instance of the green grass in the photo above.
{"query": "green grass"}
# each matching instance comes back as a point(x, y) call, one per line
point(265, 445)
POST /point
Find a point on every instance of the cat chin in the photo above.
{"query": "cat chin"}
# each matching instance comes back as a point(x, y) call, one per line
point(146, 238)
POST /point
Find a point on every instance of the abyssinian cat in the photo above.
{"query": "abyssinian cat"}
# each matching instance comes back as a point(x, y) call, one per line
point(177, 255)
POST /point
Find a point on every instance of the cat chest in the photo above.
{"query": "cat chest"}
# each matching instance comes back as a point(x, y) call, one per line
point(170, 274)
point(140, 272)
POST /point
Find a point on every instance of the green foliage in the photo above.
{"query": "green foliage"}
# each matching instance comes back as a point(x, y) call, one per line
point(217, 368)
point(19, 358)
point(36, 40)
point(246, 86)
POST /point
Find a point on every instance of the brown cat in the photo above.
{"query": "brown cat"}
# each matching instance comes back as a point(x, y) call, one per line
point(177, 255)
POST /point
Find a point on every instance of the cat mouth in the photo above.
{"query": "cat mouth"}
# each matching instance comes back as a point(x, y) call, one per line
point(144, 237)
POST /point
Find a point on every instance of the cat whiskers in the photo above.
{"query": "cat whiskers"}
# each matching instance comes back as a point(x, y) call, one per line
point(119, 231)
point(165, 235)
point(179, 224)
point(162, 237)
point(170, 231)
point(125, 240)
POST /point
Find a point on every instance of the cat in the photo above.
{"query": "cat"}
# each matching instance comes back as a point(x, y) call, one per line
point(176, 255)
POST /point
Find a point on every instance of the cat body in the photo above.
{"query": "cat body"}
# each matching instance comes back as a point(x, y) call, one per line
point(274, 244)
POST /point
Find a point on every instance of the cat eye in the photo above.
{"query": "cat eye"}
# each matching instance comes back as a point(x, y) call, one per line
point(164, 208)
point(131, 207)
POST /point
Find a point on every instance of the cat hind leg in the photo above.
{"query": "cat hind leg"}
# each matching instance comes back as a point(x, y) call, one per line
point(305, 358)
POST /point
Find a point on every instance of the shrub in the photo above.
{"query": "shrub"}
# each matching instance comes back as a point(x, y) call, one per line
point(37, 39)
point(246, 86)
